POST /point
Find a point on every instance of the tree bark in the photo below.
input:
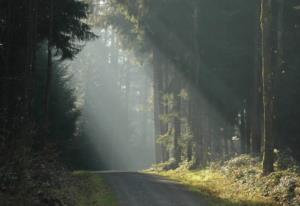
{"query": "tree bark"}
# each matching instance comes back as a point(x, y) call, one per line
point(225, 139)
point(50, 63)
point(156, 102)
point(243, 138)
point(267, 77)
point(189, 151)
point(177, 123)
point(164, 106)
point(196, 119)
point(247, 129)
point(280, 63)
point(31, 57)
point(255, 102)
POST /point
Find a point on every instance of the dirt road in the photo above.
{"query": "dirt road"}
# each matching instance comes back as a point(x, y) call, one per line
point(136, 189)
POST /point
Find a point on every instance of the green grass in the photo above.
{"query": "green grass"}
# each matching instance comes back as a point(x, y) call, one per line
point(216, 188)
point(91, 190)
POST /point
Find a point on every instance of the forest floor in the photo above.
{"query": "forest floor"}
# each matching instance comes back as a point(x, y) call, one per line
point(45, 182)
point(238, 182)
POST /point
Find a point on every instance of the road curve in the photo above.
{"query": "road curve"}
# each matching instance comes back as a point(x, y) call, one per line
point(137, 189)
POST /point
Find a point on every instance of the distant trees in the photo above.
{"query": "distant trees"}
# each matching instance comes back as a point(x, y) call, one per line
point(267, 78)
point(231, 62)
point(115, 125)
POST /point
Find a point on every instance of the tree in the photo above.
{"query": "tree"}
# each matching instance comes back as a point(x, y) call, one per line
point(267, 78)
point(231, 79)
point(49, 65)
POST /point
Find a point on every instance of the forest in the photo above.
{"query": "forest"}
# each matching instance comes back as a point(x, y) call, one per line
point(115, 102)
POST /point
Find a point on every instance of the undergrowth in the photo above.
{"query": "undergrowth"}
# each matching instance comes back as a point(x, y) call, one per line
point(92, 190)
point(238, 182)
point(40, 180)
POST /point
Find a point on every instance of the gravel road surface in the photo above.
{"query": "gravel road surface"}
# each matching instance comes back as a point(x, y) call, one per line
point(137, 189)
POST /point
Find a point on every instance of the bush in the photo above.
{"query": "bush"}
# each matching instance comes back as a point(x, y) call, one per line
point(282, 186)
point(285, 160)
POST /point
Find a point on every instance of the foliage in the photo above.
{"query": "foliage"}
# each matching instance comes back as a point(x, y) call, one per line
point(280, 186)
point(64, 112)
point(166, 139)
point(215, 187)
point(35, 179)
point(38, 179)
point(31, 168)
point(240, 181)
point(285, 160)
point(70, 31)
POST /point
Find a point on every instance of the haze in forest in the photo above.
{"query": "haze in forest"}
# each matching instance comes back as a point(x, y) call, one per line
point(114, 92)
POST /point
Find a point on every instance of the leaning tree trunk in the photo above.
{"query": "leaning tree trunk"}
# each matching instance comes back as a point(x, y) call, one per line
point(266, 22)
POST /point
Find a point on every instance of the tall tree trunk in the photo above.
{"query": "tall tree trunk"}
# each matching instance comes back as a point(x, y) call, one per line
point(164, 130)
point(243, 133)
point(9, 35)
point(127, 106)
point(255, 102)
point(177, 123)
point(30, 58)
point(8, 92)
point(156, 102)
point(198, 131)
point(224, 134)
point(164, 106)
point(50, 63)
point(189, 151)
point(267, 51)
point(229, 134)
point(247, 129)
point(206, 133)
point(232, 148)
point(144, 112)
point(198, 159)
point(280, 33)
point(196, 119)
point(279, 63)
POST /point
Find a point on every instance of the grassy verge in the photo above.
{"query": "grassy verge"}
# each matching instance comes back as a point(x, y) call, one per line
point(91, 190)
point(86, 189)
point(217, 189)
point(238, 182)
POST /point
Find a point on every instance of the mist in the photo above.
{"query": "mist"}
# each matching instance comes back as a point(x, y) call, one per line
point(114, 93)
